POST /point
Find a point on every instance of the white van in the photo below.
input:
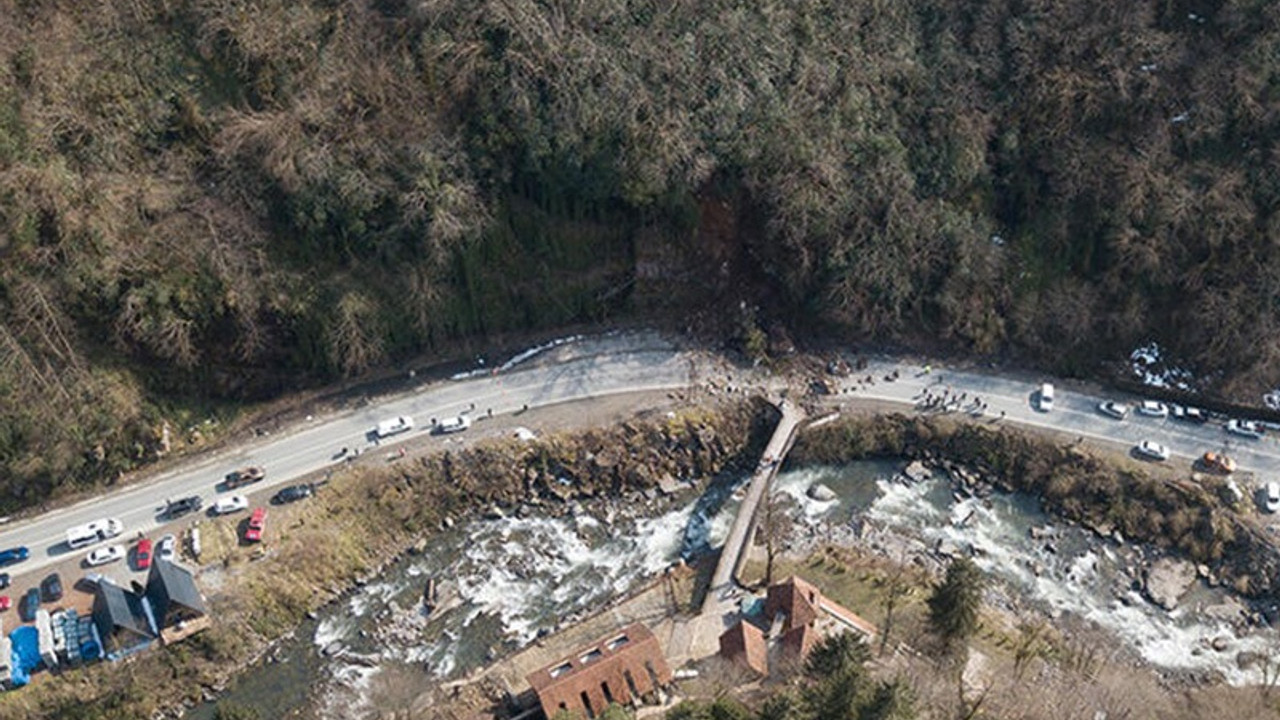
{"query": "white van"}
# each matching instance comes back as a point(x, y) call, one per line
point(1046, 397)
point(454, 424)
point(82, 536)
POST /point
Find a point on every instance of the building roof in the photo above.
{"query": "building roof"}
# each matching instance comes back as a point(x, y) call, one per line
point(798, 599)
point(115, 607)
point(744, 643)
point(631, 640)
point(171, 584)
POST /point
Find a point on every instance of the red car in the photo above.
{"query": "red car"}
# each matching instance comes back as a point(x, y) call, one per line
point(5, 602)
point(257, 523)
point(142, 554)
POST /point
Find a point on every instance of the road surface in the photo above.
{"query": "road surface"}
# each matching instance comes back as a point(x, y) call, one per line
point(591, 367)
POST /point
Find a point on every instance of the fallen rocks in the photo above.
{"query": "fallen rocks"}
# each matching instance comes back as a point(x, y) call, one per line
point(1167, 580)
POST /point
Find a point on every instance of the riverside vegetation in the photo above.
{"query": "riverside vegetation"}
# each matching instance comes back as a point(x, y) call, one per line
point(208, 202)
point(316, 550)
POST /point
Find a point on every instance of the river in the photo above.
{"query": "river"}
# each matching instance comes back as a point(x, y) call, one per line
point(506, 580)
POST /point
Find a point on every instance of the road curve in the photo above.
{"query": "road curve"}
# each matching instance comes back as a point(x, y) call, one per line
point(593, 367)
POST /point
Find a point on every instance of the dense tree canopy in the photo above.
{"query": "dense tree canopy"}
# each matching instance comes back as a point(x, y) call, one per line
point(216, 200)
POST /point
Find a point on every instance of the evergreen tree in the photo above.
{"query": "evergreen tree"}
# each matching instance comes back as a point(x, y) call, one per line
point(892, 701)
point(953, 606)
point(840, 654)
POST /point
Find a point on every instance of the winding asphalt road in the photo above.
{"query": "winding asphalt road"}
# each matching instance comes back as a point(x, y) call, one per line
point(588, 367)
point(1074, 413)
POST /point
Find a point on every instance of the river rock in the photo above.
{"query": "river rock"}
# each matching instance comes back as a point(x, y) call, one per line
point(668, 485)
point(821, 493)
point(1166, 581)
point(917, 471)
point(1220, 643)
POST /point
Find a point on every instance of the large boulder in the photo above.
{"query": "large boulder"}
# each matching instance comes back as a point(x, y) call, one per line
point(1167, 580)
point(917, 471)
point(821, 493)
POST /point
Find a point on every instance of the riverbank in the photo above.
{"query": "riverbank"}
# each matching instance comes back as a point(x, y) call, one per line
point(368, 514)
point(1188, 515)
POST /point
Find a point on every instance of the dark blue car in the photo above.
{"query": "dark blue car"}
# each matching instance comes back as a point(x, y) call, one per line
point(13, 555)
point(29, 605)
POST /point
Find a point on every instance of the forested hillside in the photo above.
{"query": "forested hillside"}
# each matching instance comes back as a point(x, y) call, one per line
point(208, 201)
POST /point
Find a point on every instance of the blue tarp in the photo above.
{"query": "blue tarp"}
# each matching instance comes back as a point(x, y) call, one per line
point(26, 654)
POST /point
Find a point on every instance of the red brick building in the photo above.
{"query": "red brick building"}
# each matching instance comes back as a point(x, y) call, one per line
point(796, 616)
point(616, 669)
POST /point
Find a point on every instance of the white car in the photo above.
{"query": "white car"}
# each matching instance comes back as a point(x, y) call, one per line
point(1046, 398)
point(167, 548)
point(1271, 497)
point(1113, 409)
point(404, 423)
point(458, 423)
point(104, 555)
point(1154, 409)
point(1153, 450)
point(1244, 428)
point(230, 504)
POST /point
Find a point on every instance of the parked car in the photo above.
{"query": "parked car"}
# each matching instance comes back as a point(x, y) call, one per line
point(1271, 497)
point(1045, 398)
point(396, 425)
point(1151, 408)
point(244, 476)
point(104, 555)
point(30, 604)
point(1188, 414)
point(454, 424)
point(5, 603)
point(1244, 428)
point(1114, 409)
point(167, 548)
point(142, 554)
point(230, 504)
point(4, 580)
point(257, 525)
point(293, 493)
point(182, 506)
point(1218, 462)
point(1153, 450)
point(13, 555)
point(51, 587)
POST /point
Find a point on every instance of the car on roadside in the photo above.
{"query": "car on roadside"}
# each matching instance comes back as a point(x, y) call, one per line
point(454, 424)
point(244, 476)
point(1188, 414)
point(293, 493)
point(230, 504)
point(1244, 428)
point(1153, 409)
point(4, 580)
point(5, 602)
point(1152, 450)
point(167, 548)
point(1271, 497)
point(104, 555)
point(142, 554)
point(1114, 409)
point(51, 587)
point(1218, 462)
point(394, 426)
point(30, 604)
point(14, 555)
point(182, 506)
point(257, 525)
point(1044, 400)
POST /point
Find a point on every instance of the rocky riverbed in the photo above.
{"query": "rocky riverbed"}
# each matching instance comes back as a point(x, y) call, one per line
point(1168, 613)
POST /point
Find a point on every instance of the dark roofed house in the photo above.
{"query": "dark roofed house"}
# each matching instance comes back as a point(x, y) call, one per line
point(122, 618)
point(175, 600)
